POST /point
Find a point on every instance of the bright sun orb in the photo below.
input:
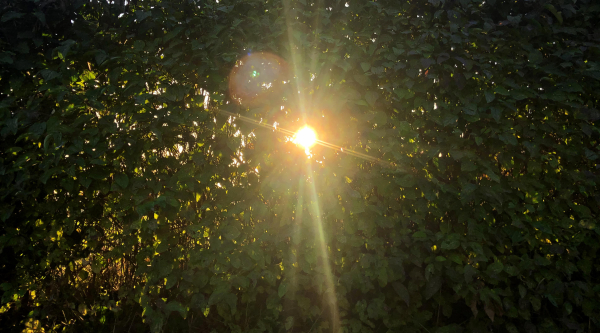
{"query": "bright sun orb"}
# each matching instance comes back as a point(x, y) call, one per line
point(305, 137)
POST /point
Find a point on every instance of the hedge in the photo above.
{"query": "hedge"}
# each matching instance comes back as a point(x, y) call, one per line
point(146, 186)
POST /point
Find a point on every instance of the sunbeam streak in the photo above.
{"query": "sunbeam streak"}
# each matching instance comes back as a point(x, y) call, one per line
point(316, 141)
point(296, 56)
point(318, 224)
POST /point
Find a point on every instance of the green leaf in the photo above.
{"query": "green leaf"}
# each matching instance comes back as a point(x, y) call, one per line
point(371, 97)
point(122, 180)
point(47, 141)
point(522, 291)
point(139, 45)
point(403, 93)
point(582, 211)
point(535, 57)
point(501, 90)
point(511, 270)
point(427, 62)
point(469, 271)
point(40, 15)
point(362, 79)
point(100, 57)
point(450, 244)
point(456, 258)
point(289, 323)
point(514, 20)
point(231, 300)
point(556, 13)
point(397, 51)
point(489, 310)
point(218, 295)
point(231, 232)
point(176, 306)
point(419, 235)
point(48, 74)
point(467, 166)
point(568, 308)
point(442, 57)
point(496, 113)
point(508, 138)
point(449, 119)
point(171, 34)
point(200, 280)
point(171, 281)
point(402, 292)
point(141, 15)
point(495, 268)
point(113, 75)
point(407, 181)
point(542, 261)
point(365, 66)
point(433, 286)
point(536, 303)
point(65, 47)
point(5, 57)
point(489, 96)
point(10, 16)
point(511, 328)
point(283, 288)
point(82, 308)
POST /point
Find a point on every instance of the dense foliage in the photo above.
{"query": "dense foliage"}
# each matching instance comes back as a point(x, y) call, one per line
point(129, 203)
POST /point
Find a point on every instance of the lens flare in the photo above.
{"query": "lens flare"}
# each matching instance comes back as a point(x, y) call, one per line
point(305, 137)
point(257, 79)
point(297, 139)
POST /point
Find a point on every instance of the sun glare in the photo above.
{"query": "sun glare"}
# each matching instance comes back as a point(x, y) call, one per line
point(305, 137)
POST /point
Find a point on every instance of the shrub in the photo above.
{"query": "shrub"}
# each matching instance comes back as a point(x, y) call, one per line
point(138, 193)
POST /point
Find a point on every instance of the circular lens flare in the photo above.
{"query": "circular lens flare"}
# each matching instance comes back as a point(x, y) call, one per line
point(257, 78)
point(305, 137)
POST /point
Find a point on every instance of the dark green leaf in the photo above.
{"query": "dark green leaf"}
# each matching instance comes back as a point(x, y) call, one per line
point(10, 16)
point(432, 286)
point(402, 292)
point(122, 180)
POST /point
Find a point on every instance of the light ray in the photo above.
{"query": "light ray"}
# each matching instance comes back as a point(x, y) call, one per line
point(318, 223)
point(297, 234)
point(317, 141)
point(330, 293)
point(296, 56)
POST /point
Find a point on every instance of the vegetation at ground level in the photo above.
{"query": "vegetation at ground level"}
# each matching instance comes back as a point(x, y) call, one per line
point(129, 203)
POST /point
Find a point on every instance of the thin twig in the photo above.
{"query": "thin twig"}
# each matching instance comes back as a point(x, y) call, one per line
point(420, 324)
point(130, 324)
point(315, 321)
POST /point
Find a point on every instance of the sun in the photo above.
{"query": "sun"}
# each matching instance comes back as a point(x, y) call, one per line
point(305, 137)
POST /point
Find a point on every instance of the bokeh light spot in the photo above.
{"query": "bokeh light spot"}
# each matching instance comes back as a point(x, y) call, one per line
point(257, 79)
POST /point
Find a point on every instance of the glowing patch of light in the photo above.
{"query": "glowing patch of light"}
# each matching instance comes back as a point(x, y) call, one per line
point(305, 137)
